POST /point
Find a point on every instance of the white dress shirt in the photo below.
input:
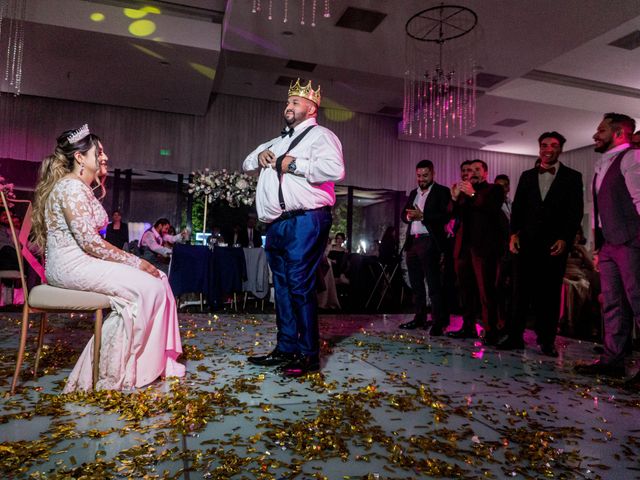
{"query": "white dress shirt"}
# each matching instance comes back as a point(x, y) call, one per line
point(506, 207)
point(546, 179)
point(319, 164)
point(152, 240)
point(177, 238)
point(417, 227)
point(629, 166)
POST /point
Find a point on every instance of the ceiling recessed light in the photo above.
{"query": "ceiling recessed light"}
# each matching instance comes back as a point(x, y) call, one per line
point(164, 63)
point(288, 33)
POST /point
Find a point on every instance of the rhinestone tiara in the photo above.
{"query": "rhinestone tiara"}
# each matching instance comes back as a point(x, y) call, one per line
point(78, 134)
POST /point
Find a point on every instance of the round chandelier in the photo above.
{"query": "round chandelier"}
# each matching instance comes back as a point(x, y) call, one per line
point(439, 98)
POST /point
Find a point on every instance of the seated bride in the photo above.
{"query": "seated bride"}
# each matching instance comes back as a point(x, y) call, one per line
point(140, 337)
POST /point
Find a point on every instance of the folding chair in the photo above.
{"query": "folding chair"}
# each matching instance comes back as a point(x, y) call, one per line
point(386, 275)
point(44, 299)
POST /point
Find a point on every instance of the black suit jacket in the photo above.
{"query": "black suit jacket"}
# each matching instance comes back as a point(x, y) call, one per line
point(243, 237)
point(435, 214)
point(482, 228)
point(539, 223)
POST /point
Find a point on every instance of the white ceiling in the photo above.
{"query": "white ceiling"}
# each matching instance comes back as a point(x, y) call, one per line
point(561, 74)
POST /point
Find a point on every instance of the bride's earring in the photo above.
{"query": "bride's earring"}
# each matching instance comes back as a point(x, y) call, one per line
point(81, 168)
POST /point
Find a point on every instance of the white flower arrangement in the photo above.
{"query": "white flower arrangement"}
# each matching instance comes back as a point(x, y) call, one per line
point(234, 188)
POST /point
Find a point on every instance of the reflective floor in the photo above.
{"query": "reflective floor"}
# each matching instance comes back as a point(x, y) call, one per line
point(388, 404)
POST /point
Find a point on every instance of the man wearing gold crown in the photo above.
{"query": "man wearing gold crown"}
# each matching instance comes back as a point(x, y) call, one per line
point(294, 197)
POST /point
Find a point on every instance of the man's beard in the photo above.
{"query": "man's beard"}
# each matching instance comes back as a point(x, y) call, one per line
point(604, 147)
point(291, 120)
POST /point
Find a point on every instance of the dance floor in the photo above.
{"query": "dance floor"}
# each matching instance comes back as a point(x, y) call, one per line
point(387, 405)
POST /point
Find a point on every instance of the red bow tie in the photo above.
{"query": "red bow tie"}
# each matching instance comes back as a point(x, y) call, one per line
point(551, 170)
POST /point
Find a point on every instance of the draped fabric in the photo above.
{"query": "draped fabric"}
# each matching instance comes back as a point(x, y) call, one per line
point(374, 156)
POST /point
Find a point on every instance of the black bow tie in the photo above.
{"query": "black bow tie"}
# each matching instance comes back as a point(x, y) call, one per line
point(286, 131)
point(551, 170)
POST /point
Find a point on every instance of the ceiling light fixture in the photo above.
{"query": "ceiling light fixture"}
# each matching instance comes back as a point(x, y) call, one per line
point(326, 13)
point(12, 14)
point(440, 99)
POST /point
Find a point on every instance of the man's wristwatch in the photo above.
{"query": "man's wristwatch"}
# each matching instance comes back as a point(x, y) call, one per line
point(292, 167)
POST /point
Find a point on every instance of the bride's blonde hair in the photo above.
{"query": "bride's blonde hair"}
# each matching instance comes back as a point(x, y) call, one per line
point(53, 168)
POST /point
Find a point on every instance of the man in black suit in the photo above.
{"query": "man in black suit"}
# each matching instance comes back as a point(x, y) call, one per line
point(251, 236)
point(480, 243)
point(546, 213)
point(426, 214)
point(246, 237)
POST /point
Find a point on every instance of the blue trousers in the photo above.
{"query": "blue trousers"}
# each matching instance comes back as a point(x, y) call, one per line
point(294, 247)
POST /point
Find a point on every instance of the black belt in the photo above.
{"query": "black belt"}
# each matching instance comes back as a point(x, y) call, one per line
point(297, 213)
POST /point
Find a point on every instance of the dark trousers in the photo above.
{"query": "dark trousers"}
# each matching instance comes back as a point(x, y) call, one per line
point(294, 247)
point(537, 283)
point(620, 278)
point(423, 263)
point(477, 276)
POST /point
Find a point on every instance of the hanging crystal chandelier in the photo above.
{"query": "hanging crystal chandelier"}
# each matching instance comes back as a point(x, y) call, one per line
point(440, 99)
point(304, 15)
point(12, 15)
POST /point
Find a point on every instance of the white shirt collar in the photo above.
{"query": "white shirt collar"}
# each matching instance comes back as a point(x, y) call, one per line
point(307, 123)
point(612, 152)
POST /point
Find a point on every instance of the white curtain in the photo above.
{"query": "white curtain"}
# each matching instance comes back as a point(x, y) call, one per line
point(234, 126)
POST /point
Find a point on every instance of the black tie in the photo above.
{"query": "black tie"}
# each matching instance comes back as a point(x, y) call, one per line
point(286, 131)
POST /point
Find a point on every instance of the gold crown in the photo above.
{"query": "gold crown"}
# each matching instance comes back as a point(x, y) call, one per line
point(305, 92)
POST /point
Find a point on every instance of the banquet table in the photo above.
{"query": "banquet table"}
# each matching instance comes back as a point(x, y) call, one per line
point(197, 269)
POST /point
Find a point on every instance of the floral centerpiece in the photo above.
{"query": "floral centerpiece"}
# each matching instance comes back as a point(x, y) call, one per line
point(233, 188)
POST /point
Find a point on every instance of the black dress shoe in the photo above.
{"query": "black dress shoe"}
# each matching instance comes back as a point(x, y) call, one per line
point(462, 333)
point(549, 350)
point(599, 368)
point(413, 324)
point(276, 357)
point(510, 343)
point(301, 365)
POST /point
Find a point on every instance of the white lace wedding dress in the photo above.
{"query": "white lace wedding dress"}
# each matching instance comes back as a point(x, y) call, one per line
point(140, 338)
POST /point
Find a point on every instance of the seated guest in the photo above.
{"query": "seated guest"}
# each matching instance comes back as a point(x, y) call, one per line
point(232, 235)
point(336, 254)
point(251, 236)
point(168, 238)
point(581, 287)
point(117, 231)
point(151, 245)
point(246, 237)
point(171, 237)
point(140, 336)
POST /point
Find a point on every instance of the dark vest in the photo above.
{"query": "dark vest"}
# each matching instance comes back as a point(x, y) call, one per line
point(619, 219)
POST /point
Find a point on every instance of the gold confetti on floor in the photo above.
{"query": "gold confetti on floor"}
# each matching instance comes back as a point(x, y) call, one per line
point(386, 405)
